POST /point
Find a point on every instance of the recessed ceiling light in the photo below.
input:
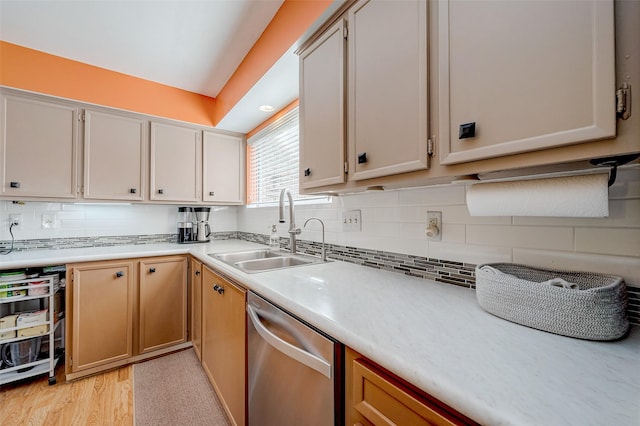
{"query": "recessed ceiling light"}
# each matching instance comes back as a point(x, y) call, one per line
point(266, 108)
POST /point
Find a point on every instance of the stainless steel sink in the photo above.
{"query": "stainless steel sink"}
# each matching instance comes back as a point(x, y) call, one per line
point(241, 256)
point(264, 260)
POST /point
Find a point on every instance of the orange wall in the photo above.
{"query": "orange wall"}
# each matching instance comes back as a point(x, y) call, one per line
point(293, 18)
point(40, 72)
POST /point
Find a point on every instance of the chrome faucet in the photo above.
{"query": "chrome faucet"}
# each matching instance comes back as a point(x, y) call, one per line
point(293, 231)
point(324, 252)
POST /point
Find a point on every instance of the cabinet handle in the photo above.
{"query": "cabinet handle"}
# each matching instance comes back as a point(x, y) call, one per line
point(119, 274)
point(160, 191)
point(362, 158)
point(14, 184)
point(467, 130)
point(218, 288)
point(152, 270)
point(197, 273)
point(307, 171)
point(212, 193)
point(132, 191)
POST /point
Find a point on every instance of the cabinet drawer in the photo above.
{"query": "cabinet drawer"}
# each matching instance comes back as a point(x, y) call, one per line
point(381, 401)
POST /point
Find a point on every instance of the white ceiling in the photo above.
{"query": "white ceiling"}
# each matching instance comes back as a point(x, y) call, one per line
point(193, 45)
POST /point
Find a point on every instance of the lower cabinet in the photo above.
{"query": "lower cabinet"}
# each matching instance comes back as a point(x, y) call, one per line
point(196, 307)
point(163, 303)
point(123, 311)
point(375, 397)
point(224, 342)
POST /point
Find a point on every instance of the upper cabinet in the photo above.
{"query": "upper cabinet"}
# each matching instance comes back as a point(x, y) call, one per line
point(38, 146)
point(115, 149)
point(175, 163)
point(322, 109)
point(523, 76)
point(387, 86)
point(386, 94)
point(223, 168)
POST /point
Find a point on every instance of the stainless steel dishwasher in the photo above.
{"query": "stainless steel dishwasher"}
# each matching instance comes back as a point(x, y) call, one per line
point(294, 372)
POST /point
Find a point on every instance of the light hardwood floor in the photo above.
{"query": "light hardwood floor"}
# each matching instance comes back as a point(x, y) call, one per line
point(104, 399)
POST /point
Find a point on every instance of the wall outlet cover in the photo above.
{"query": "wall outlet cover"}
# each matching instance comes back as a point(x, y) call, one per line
point(49, 220)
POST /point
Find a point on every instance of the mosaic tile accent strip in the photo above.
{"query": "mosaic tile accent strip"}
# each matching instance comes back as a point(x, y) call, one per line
point(105, 241)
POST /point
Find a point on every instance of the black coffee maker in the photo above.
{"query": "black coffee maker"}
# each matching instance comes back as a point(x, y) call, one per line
point(186, 225)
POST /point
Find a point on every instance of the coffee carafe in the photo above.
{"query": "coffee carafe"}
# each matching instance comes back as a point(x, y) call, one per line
point(202, 219)
point(186, 228)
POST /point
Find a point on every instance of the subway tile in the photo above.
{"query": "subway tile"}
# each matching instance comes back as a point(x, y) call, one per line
point(460, 214)
point(613, 241)
point(558, 238)
point(626, 267)
point(469, 253)
point(432, 195)
point(452, 233)
point(622, 213)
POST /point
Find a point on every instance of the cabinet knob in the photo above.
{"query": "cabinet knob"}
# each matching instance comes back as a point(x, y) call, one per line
point(307, 171)
point(212, 193)
point(14, 184)
point(132, 191)
point(152, 270)
point(160, 191)
point(362, 158)
point(197, 272)
point(218, 288)
point(119, 274)
point(467, 130)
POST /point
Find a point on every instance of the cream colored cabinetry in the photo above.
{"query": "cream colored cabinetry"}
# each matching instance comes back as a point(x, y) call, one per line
point(322, 109)
point(101, 299)
point(115, 148)
point(38, 149)
point(542, 77)
point(175, 163)
point(386, 95)
point(163, 303)
point(224, 342)
point(223, 168)
point(124, 311)
point(373, 397)
point(196, 307)
point(387, 88)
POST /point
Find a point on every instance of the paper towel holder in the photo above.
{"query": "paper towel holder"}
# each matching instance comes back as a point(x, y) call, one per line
point(613, 162)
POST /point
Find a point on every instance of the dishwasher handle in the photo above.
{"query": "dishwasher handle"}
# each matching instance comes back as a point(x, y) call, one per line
point(304, 357)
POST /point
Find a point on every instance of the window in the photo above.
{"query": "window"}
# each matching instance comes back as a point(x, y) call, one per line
point(273, 162)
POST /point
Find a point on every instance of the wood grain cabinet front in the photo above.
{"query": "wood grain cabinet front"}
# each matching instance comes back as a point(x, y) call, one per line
point(124, 311)
point(375, 398)
point(196, 307)
point(224, 332)
point(163, 303)
point(102, 297)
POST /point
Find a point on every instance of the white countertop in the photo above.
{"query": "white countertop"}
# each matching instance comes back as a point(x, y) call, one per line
point(433, 335)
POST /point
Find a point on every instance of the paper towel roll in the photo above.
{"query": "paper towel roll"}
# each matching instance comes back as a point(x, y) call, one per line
point(568, 196)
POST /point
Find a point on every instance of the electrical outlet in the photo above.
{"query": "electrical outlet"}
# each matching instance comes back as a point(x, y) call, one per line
point(49, 221)
point(16, 220)
point(434, 226)
point(352, 221)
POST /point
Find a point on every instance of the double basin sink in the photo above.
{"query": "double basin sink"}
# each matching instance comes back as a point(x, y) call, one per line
point(252, 261)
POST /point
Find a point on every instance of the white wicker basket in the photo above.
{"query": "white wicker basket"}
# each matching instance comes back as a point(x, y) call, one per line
point(576, 304)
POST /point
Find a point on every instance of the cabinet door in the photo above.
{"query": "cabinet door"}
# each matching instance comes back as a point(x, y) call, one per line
point(223, 168)
point(163, 303)
point(114, 157)
point(196, 307)
point(387, 88)
point(322, 110)
point(531, 75)
point(224, 342)
point(38, 143)
point(175, 163)
point(102, 309)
